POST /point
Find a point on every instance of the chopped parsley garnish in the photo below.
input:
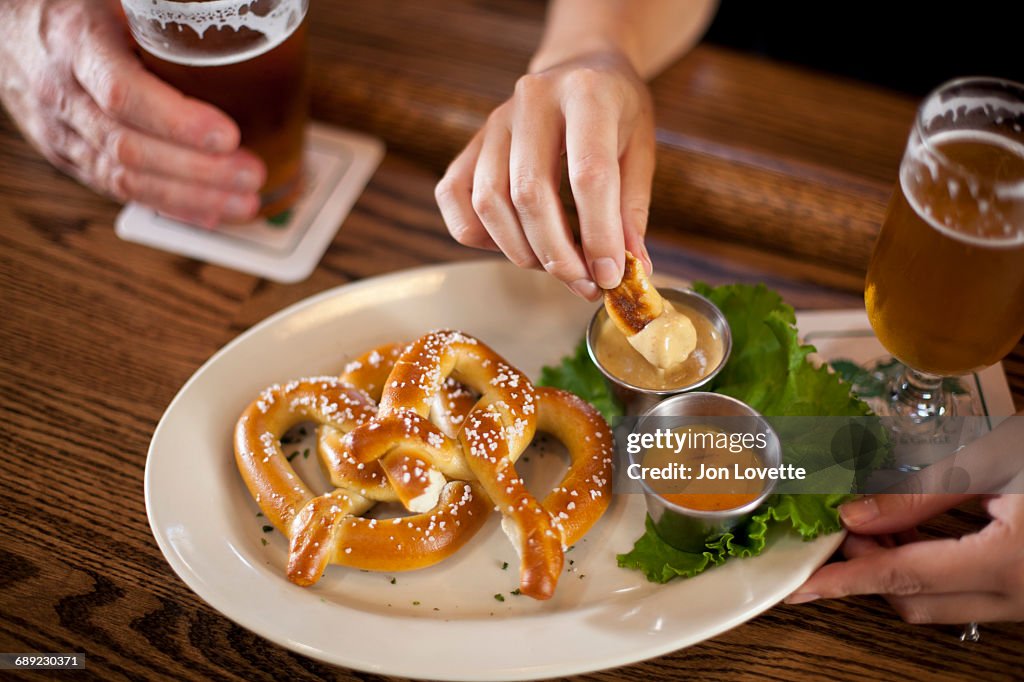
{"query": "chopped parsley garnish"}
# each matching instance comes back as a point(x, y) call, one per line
point(499, 597)
point(267, 529)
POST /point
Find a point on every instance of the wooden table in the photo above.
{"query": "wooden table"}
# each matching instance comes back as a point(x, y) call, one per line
point(767, 173)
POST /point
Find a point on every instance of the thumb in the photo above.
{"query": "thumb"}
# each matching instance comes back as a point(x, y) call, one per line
point(892, 513)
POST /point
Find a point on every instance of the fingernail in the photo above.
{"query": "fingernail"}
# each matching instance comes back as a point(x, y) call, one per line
point(648, 263)
point(606, 273)
point(206, 222)
point(859, 512)
point(238, 207)
point(216, 141)
point(585, 288)
point(802, 598)
point(247, 181)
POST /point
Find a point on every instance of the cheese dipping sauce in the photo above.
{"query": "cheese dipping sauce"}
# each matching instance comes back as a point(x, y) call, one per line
point(667, 340)
point(620, 358)
point(705, 493)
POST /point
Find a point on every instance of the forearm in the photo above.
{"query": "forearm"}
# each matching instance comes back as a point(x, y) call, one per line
point(650, 33)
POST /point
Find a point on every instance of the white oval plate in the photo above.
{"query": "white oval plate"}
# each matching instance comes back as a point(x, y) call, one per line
point(443, 622)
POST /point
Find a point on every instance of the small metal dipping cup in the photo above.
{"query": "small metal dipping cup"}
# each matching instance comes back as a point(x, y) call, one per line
point(637, 399)
point(690, 529)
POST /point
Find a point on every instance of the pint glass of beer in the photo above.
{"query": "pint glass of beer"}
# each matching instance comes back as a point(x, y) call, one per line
point(246, 57)
point(945, 287)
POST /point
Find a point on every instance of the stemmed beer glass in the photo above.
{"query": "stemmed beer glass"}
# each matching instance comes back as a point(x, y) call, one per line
point(945, 287)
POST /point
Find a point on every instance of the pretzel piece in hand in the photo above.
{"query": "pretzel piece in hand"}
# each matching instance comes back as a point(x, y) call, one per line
point(662, 335)
point(635, 303)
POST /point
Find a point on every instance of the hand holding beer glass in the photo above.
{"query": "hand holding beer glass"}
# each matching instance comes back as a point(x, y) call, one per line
point(247, 58)
point(945, 287)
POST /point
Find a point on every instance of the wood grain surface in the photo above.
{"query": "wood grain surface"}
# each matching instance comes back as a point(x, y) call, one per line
point(97, 335)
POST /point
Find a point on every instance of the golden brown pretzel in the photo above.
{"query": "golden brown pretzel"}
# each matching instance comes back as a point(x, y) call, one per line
point(585, 491)
point(662, 335)
point(397, 452)
point(635, 302)
point(540, 532)
point(397, 460)
point(323, 528)
point(371, 369)
point(498, 429)
point(269, 476)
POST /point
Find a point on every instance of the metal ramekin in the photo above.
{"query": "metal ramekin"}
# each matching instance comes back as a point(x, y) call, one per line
point(690, 529)
point(637, 399)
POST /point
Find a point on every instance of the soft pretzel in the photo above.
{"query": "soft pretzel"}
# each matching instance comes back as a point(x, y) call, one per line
point(635, 303)
point(453, 418)
point(498, 429)
point(585, 491)
point(662, 335)
point(397, 460)
point(370, 370)
point(266, 470)
point(540, 532)
point(327, 530)
point(321, 528)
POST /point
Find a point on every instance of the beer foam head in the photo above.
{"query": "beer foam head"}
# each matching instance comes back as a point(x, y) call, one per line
point(984, 207)
point(960, 106)
point(162, 27)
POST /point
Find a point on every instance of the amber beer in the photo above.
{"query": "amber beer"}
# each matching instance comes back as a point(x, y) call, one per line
point(945, 287)
point(246, 57)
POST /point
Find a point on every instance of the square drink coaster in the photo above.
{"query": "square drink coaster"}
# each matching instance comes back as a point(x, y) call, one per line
point(847, 335)
point(338, 164)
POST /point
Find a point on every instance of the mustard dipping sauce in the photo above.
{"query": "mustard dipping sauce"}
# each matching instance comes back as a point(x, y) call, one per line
point(707, 494)
point(619, 358)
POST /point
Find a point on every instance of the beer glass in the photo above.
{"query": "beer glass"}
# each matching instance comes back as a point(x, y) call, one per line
point(945, 287)
point(246, 57)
